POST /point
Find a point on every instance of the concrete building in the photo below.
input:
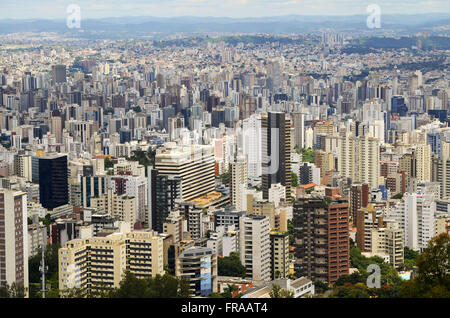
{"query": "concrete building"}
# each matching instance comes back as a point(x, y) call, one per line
point(98, 262)
point(254, 246)
point(276, 152)
point(238, 183)
point(193, 164)
point(359, 159)
point(322, 237)
point(199, 265)
point(14, 238)
point(279, 245)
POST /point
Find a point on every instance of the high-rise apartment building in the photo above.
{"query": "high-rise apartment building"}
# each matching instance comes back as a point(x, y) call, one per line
point(299, 129)
point(321, 231)
point(441, 174)
point(163, 192)
point(96, 263)
point(252, 144)
point(238, 183)
point(193, 164)
point(416, 216)
point(199, 266)
point(59, 74)
point(276, 152)
point(359, 159)
point(13, 238)
point(279, 245)
point(388, 241)
point(119, 207)
point(53, 181)
point(22, 166)
point(254, 246)
point(359, 198)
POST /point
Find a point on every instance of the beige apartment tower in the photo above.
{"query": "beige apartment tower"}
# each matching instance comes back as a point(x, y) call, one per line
point(99, 262)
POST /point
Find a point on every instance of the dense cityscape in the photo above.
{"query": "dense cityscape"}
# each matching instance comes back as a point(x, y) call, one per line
point(225, 164)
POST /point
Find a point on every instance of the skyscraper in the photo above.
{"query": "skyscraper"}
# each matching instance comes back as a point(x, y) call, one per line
point(322, 237)
point(359, 159)
point(193, 164)
point(254, 246)
point(162, 193)
point(238, 183)
point(276, 150)
point(299, 129)
point(59, 74)
point(199, 266)
point(13, 238)
point(279, 246)
point(53, 181)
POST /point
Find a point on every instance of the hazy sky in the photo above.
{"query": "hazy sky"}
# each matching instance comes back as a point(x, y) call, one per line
point(57, 9)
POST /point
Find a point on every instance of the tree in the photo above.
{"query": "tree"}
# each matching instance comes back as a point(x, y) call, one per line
point(144, 158)
point(225, 177)
point(278, 292)
point(231, 266)
point(353, 279)
point(410, 254)
point(109, 163)
point(34, 274)
point(294, 179)
point(137, 109)
point(291, 232)
point(13, 291)
point(398, 196)
point(166, 286)
point(434, 262)
point(358, 290)
point(433, 274)
point(321, 287)
point(308, 155)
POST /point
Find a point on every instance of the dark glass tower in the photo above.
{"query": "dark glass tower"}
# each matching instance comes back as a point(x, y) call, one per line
point(163, 192)
point(276, 149)
point(53, 182)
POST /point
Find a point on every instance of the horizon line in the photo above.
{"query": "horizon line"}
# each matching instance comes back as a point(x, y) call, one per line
point(229, 17)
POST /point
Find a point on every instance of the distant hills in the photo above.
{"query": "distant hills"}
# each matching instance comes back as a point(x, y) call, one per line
point(146, 26)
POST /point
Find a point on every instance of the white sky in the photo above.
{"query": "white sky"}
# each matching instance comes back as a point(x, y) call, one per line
point(57, 9)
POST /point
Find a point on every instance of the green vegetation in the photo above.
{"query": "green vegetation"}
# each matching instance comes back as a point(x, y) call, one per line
point(144, 158)
point(398, 196)
point(278, 292)
point(307, 155)
point(108, 111)
point(47, 220)
point(432, 280)
point(231, 266)
point(428, 43)
point(321, 287)
point(389, 275)
point(52, 278)
point(290, 227)
point(225, 178)
point(108, 163)
point(13, 291)
point(165, 286)
point(228, 292)
point(137, 109)
point(294, 179)
point(433, 275)
point(410, 258)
